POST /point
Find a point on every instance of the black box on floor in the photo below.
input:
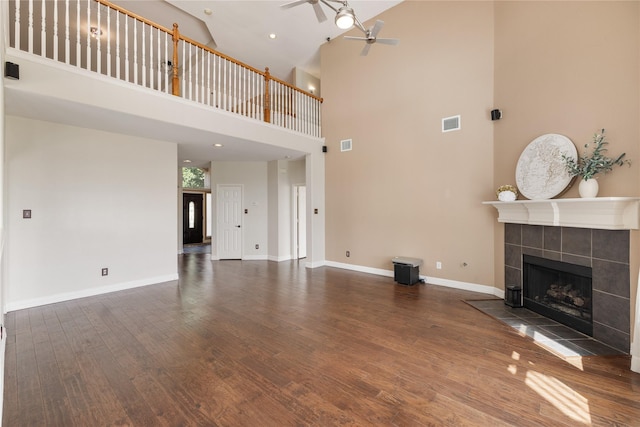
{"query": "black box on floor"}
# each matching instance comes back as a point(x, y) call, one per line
point(513, 296)
point(406, 271)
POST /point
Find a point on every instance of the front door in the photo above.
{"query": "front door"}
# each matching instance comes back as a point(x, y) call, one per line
point(191, 218)
point(230, 221)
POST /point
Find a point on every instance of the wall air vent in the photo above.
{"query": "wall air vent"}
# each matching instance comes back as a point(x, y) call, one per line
point(345, 145)
point(451, 123)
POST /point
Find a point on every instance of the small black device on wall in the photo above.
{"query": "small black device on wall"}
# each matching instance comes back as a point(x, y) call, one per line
point(324, 148)
point(11, 70)
point(496, 114)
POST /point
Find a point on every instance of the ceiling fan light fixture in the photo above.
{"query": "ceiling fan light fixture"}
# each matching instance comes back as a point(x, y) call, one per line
point(345, 18)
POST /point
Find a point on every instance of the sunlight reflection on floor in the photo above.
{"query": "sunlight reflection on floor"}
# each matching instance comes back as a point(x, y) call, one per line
point(571, 403)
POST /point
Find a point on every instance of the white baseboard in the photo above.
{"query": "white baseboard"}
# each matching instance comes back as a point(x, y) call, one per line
point(360, 268)
point(255, 258)
point(279, 259)
point(474, 287)
point(316, 264)
point(52, 299)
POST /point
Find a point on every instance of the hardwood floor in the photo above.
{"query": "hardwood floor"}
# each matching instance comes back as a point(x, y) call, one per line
point(256, 343)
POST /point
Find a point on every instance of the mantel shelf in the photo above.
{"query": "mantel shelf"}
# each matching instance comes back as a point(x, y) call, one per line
point(608, 213)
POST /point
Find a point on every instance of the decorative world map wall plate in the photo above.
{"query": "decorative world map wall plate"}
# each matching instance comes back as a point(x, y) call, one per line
point(541, 172)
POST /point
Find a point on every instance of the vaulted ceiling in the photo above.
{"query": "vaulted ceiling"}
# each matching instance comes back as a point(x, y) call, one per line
point(241, 28)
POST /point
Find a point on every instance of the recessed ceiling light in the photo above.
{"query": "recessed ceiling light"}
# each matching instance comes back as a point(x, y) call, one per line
point(208, 11)
point(186, 161)
point(218, 145)
point(272, 36)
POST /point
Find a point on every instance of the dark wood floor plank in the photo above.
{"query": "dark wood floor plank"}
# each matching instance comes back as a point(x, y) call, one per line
point(245, 343)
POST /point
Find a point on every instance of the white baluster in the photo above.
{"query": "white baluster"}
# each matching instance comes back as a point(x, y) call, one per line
point(67, 41)
point(224, 85)
point(319, 119)
point(166, 56)
point(118, 45)
point(78, 46)
point(126, 47)
point(98, 44)
point(184, 63)
point(30, 27)
point(217, 82)
point(135, 51)
point(236, 89)
point(88, 35)
point(144, 54)
point(16, 33)
point(43, 30)
point(109, 71)
point(196, 77)
point(190, 73)
point(159, 54)
point(151, 67)
point(208, 78)
point(55, 30)
point(299, 111)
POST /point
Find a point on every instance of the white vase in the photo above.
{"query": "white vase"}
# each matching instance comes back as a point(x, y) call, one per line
point(588, 188)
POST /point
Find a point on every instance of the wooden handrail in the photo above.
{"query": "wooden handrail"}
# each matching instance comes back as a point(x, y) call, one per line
point(177, 36)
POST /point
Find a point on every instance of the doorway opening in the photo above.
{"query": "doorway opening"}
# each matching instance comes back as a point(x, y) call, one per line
point(299, 221)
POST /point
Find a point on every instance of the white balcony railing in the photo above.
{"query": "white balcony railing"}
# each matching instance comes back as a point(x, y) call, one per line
point(101, 37)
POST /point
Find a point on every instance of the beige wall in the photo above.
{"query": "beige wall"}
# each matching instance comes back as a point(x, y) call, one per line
point(552, 67)
point(406, 188)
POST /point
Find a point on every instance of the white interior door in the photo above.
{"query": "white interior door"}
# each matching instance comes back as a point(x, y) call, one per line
point(301, 221)
point(229, 221)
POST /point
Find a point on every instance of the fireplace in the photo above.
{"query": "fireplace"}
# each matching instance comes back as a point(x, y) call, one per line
point(605, 252)
point(558, 290)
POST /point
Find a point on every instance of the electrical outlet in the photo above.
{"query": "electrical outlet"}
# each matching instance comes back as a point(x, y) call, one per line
point(105, 271)
point(348, 254)
point(257, 246)
point(438, 265)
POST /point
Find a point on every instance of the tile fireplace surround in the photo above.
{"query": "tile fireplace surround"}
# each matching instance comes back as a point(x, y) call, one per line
point(605, 251)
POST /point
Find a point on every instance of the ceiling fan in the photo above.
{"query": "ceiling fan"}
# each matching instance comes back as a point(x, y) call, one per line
point(316, 7)
point(345, 19)
point(371, 37)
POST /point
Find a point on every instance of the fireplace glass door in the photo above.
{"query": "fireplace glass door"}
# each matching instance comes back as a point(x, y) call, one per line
point(558, 290)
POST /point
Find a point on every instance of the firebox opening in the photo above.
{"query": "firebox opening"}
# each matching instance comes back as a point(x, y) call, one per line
point(558, 290)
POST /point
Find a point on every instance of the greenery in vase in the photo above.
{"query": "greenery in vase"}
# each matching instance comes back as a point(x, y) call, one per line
point(588, 165)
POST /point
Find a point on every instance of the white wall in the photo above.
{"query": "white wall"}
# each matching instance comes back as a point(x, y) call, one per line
point(98, 199)
point(253, 178)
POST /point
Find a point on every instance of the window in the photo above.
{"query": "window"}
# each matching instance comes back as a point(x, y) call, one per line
point(192, 215)
point(193, 178)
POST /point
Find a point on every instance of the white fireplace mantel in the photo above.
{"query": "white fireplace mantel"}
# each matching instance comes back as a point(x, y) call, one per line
point(608, 213)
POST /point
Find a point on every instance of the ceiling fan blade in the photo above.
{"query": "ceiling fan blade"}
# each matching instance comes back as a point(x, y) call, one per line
point(355, 38)
point(392, 42)
point(293, 3)
point(373, 32)
point(319, 12)
point(365, 49)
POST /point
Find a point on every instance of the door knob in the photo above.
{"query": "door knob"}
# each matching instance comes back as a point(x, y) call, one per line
point(238, 226)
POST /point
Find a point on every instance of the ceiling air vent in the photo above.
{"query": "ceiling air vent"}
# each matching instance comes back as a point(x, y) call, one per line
point(451, 123)
point(345, 145)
